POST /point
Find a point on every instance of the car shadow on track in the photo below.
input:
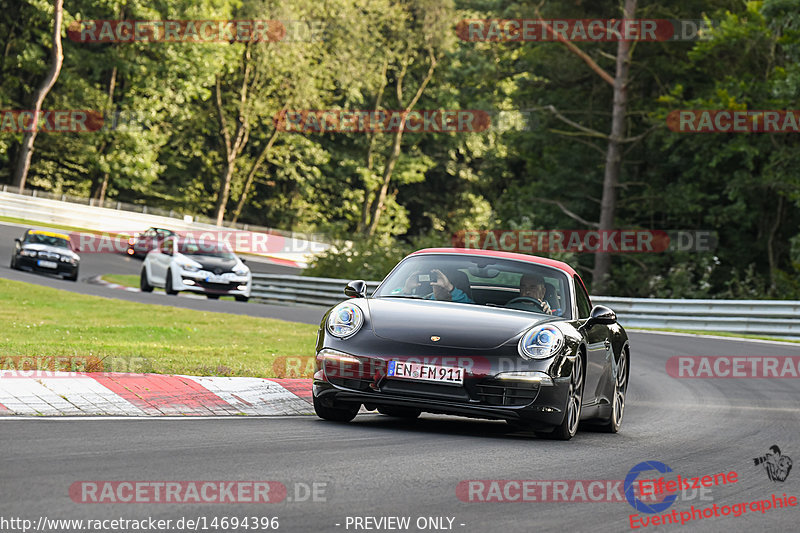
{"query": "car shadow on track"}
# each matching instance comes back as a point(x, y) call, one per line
point(441, 425)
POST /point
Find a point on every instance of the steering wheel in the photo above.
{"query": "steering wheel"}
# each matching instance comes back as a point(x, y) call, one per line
point(527, 300)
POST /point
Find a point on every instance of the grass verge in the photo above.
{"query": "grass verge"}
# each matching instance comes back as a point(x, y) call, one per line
point(126, 280)
point(41, 323)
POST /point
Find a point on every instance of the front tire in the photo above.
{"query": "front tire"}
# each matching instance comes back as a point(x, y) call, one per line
point(168, 284)
point(13, 265)
point(335, 414)
point(144, 283)
point(620, 389)
point(569, 427)
point(241, 298)
point(73, 277)
point(212, 296)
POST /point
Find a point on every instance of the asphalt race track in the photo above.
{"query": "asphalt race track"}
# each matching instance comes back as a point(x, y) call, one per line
point(107, 263)
point(381, 467)
point(378, 466)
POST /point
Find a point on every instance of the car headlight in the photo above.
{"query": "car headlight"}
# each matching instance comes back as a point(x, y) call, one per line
point(345, 320)
point(28, 253)
point(541, 342)
point(241, 270)
point(67, 259)
point(189, 267)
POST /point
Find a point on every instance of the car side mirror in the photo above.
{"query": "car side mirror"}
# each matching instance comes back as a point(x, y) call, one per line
point(356, 289)
point(601, 314)
point(243, 260)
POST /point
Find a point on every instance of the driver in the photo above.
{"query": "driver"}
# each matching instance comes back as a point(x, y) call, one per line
point(443, 288)
point(531, 293)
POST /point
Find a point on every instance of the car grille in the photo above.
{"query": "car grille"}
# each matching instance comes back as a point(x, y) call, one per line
point(219, 286)
point(52, 256)
point(510, 393)
point(429, 390)
point(351, 383)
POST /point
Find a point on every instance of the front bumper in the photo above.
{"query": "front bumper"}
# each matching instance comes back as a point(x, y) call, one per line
point(202, 282)
point(482, 395)
point(33, 264)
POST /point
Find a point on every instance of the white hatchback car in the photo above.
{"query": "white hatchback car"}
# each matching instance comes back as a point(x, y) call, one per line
point(185, 265)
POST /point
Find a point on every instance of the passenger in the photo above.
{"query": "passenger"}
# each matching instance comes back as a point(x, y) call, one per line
point(443, 288)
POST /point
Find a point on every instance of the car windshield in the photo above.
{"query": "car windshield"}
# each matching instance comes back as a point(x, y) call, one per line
point(206, 249)
point(480, 280)
point(49, 240)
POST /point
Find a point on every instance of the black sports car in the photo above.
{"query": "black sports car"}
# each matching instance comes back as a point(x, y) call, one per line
point(475, 333)
point(45, 251)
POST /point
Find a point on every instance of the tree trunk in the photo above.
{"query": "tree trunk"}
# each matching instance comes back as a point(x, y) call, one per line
point(365, 206)
point(26, 151)
point(378, 202)
point(234, 145)
point(222, 198)
point(602, 261)
point(252, 174)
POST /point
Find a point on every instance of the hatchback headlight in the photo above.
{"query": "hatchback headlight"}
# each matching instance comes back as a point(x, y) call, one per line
point(541, 342)
point(345, 320)
point(28, 253)
point(189, 267)
point(241, 270)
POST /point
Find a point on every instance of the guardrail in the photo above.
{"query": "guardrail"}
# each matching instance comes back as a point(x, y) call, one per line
point(779, 318)
point(298, 248)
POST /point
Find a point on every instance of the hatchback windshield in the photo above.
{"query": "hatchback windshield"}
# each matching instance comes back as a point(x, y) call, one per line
point(206, 249)
point(480, 281)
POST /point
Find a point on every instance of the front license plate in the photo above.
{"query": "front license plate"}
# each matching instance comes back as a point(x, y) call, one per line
point(46, 264)
point(215, 279)
point(426, 372)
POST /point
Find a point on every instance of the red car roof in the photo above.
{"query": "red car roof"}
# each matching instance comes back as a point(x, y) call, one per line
point(502, 255)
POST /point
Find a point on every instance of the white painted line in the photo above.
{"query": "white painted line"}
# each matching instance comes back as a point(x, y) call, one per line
point(719, 337)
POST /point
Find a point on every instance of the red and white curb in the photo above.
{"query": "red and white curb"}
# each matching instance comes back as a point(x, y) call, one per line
point(98, 280)
point(75, 394)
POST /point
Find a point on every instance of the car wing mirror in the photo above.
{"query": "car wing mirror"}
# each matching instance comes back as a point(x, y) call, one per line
point(601, 314)
point(356, 289)
point(243, 260)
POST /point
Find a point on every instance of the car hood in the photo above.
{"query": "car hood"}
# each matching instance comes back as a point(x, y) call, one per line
point(217, 265)
point(52, 249)
point(458, 325)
